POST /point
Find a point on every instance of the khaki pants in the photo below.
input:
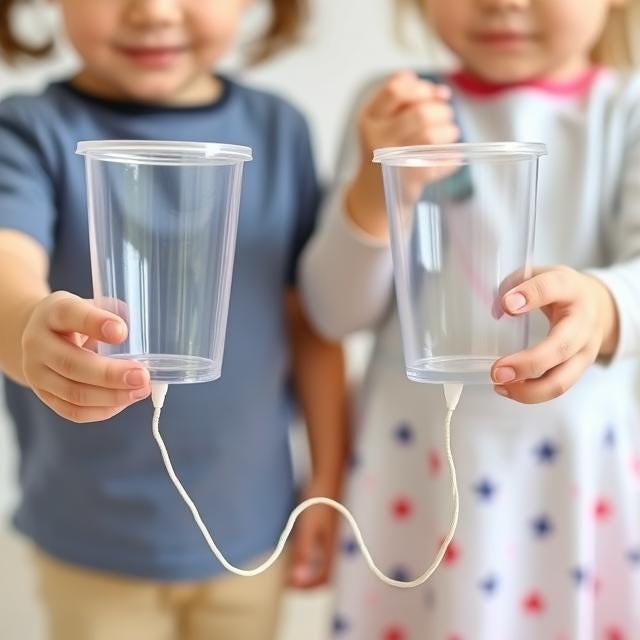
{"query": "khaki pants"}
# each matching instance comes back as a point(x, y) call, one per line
point(83, 604)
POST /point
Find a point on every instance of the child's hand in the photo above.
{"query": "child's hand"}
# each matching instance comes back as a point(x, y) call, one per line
point(69, 377)
point(584, 325)
point(404, 111)
point(407, 111)
point(314, 543)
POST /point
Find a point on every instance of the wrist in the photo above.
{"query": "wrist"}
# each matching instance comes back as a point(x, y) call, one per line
point(24, 312)
point(365, 204)
point(326, 484)
point(12, 357)
point(609, 319)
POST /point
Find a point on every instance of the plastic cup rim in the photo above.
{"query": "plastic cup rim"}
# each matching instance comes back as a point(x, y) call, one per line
point(460, 152)
point(164, 152)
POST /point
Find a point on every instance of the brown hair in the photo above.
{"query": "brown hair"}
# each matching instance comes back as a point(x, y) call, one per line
point(615, 46)
point(287, 19)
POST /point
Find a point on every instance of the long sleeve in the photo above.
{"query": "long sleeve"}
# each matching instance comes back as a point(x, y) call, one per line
point(346, 276)
point(622, 234)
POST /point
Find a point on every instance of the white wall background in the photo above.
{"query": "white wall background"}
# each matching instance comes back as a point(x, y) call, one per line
point(348, 42)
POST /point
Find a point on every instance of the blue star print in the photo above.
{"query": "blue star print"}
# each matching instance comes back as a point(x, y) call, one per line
point(579, 576)
point(485, 489)
point(610, 437)
point(404, 433)
point(350, 547)
point(634, 556)
point(489, 585)
point(400, 573)
point(339, 624)
point(541, 526)
point(546, 452)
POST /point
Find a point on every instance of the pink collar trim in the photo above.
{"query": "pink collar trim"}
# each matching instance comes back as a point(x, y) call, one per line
point(569, 88)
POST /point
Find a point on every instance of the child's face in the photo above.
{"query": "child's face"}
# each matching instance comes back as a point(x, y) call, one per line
point(151, 50)
point(516, 40)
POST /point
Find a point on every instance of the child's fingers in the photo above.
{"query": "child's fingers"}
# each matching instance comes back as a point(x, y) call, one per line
point(552, 286)
point(446, 134)
point(565, 340)
point(302, 567)
point(85, 395)
point(414, 131)
point(313, 573)
point(422, 125)
point(552, 385)
point(403, 89)
point(69, 313)
point(74, 413)
point(313, 548)
point(425, 115)
point(81, 365)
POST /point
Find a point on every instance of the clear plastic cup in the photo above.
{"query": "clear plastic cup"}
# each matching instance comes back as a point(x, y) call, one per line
point(162, 224)
point(462, 221)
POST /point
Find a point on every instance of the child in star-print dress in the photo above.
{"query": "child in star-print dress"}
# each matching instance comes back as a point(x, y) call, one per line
point(548, 544)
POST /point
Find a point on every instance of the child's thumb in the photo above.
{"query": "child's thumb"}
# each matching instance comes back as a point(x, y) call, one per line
point(301, 575)
point(305, 550)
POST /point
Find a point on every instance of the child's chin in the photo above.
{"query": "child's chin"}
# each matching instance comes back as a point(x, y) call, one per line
point(154, 92)
point(512, 73)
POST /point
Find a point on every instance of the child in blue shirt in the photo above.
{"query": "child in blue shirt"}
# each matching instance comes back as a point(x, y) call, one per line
point(116, 550)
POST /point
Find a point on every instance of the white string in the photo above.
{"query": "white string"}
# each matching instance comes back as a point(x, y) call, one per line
point(309, 503)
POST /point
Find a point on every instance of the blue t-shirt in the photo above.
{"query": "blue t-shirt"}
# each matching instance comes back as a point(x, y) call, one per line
point(97, 495)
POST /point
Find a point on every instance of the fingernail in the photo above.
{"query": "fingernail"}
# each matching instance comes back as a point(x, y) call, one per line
point(502, 375)
point(301, 573)
point(502, 391)
point(515, 301)
point(112, 330)
point(139, 394)
point(136, 377)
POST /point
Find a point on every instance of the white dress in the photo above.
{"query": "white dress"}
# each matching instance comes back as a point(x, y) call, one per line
point(548, 544)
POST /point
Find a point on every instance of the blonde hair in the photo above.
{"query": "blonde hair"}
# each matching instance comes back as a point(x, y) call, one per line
point(287, 20)
point(617, 46)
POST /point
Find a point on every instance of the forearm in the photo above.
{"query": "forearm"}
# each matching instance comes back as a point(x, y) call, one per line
point(320, 386)
point(23, 268)
point(319, 379)
point(346, 275)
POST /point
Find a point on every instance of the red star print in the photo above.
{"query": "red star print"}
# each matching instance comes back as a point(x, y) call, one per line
point(596, 585)
point(369, 482)
point(452, 553)
point(635, 464)
point(602, 509)
point(372, 600)
point(533, 603)
point(394, 633)
point(401, 508)
point(613, 633)
point(434, 462)
point(455, 636)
